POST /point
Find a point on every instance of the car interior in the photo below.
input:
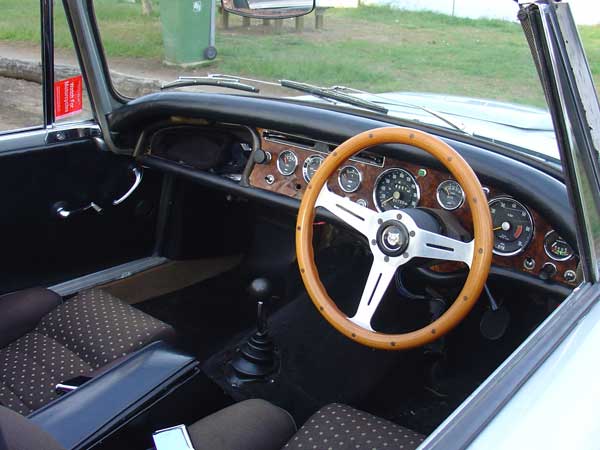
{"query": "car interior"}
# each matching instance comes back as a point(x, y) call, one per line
point(216, 276)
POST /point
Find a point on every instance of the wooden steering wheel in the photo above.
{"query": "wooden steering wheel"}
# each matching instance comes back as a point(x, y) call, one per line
point(394, 239)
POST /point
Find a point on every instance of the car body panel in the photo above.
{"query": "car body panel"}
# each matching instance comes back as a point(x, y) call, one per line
point(517, 125)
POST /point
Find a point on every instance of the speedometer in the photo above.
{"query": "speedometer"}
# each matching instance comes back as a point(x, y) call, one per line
point(512, 226)
point(395, 189)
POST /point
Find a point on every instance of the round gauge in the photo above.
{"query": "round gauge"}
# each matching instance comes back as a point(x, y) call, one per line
point(311, 164)
point(287, 161)
point(512, 226)
point(556, 247)
point(395, 189)
point(450, 195)
point(349, 179)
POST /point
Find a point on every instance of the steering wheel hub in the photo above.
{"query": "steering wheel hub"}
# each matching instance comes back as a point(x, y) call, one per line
point(392, 238)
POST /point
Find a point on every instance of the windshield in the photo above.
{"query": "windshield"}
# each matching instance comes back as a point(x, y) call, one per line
point(472, 75)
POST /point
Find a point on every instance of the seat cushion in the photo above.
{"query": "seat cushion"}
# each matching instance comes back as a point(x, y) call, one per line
point(339, 427)
point(77, 337)
point(21, 311)
point(248, 425)
point(19, 433)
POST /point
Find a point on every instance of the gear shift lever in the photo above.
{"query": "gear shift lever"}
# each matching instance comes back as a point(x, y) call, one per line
point(256, 358)
point(260, 290)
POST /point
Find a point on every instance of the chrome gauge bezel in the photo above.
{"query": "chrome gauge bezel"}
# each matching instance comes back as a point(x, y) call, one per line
point(340, 184)
point(462, 195)
point(550, 255)
point(382, 174)
point(306, 163)
point(522, 249)
point(278, 163)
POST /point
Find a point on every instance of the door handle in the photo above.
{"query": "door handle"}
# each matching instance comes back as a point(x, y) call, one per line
point(138, 174)
point(60, 209)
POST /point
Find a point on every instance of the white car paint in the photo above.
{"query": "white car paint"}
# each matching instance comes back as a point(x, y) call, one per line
point(559, 406)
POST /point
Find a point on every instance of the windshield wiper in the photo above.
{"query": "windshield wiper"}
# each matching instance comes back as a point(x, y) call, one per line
point(210, 80)
point(388, 101)
point(333, 94)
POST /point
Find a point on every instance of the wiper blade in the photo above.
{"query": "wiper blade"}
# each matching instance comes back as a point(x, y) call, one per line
point(333, 94)
point(230, 83)
point(388, 101)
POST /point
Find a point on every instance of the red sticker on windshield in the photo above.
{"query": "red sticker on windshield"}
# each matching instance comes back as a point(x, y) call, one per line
point(68, 96)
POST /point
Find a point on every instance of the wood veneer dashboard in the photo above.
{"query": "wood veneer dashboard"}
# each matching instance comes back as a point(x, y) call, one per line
point(267, 176)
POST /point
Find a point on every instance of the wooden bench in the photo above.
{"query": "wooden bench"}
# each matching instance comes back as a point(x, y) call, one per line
point(277, 23)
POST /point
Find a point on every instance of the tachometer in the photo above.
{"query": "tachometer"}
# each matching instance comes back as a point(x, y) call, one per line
point(512, 226)
point(556, 247)
point(287, 161)
point(395, 189)
point(450, 195)
point(349, 179)
point(310, 166)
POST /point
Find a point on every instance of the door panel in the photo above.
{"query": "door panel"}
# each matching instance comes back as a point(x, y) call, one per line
point(40, 248)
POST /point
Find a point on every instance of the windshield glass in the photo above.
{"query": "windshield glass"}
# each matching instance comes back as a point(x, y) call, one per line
point(473, 75)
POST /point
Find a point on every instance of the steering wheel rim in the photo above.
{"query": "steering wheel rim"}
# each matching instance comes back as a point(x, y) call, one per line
point(317, 194)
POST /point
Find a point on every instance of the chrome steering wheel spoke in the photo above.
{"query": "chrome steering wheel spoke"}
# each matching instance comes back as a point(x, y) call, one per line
point(426, 244)
point(379, 279)
point(358, 217)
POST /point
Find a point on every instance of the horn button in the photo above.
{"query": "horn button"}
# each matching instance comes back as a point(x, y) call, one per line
point(392, 238)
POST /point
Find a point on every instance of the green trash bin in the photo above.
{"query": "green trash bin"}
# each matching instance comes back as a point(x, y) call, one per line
point(188, 31)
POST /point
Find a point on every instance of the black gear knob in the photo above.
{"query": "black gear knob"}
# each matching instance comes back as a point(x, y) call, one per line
point(260, 289)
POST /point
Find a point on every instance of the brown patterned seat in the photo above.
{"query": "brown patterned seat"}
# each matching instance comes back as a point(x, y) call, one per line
point(259, 425)
point(45, 341)
point(338, 427)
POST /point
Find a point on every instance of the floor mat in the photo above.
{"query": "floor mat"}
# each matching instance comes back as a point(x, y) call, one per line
point(318, 364)
point(169, 277)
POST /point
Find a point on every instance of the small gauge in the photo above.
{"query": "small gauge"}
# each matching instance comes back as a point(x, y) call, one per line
point(395, 189)
point(349, 179)
point(287, 161)
point(311, 164)
point(556, 247)
point(450, 195)
point(512, 226)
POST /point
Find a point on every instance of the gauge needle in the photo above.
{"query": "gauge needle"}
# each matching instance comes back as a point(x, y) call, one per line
point(395, 196)
point(504, 226)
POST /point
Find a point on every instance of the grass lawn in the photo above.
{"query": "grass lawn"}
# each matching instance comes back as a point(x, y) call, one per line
point(372, 48)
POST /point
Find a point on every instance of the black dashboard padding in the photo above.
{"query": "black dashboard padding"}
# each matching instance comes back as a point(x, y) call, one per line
point(194, 146)
point(79, 418)
point(535, 187)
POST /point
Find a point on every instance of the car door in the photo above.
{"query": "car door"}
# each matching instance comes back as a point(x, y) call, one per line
point(70, 207)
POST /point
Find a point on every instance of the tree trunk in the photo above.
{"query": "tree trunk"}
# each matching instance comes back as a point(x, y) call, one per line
point(146, 7)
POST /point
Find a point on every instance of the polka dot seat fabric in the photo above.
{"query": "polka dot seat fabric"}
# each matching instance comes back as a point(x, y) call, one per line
point(79, 336)
point(341, 427)
point(260, 425)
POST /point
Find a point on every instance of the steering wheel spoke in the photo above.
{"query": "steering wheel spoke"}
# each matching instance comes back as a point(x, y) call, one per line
point(379, 279)
point(353, 214)
point(426, 244)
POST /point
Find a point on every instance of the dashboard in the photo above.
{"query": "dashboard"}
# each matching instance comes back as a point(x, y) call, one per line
point(523, 240)
point(528, 197)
